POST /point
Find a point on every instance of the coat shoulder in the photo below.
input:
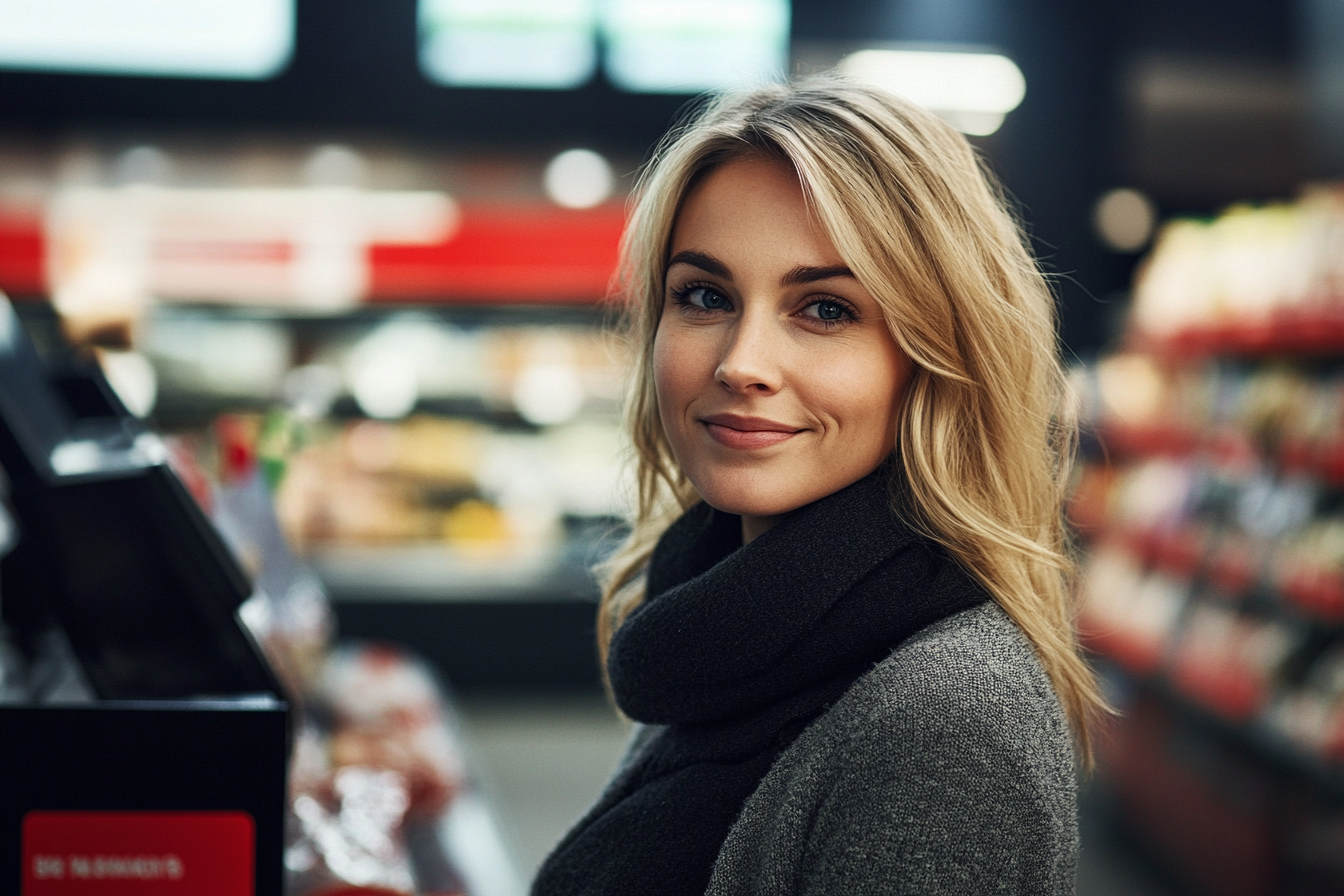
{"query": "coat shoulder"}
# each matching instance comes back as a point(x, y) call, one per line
point(973, 671)
point(947, 768)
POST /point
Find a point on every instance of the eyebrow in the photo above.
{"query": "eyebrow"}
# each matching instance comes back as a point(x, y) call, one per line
point(805, 274)
point(796, 276)
point(707, 263)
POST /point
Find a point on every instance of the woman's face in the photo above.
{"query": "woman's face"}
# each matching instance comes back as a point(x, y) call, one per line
point(778, 382)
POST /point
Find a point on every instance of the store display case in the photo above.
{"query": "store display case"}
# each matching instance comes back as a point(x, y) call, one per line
point(174, 708)
point(146, 738)
point(1209, 502)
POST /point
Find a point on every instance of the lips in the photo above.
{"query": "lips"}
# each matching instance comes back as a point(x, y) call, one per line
point(746, 433)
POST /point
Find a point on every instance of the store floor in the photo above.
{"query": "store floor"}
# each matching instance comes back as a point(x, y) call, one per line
point(542, 761)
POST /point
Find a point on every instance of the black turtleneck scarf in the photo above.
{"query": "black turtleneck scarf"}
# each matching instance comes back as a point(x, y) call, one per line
point(737, 648)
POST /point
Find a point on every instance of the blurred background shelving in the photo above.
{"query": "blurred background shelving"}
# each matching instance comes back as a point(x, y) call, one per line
point(354, 274)
point(1209, 504)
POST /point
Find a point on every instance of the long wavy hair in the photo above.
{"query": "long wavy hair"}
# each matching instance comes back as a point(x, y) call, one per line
point(985, 438)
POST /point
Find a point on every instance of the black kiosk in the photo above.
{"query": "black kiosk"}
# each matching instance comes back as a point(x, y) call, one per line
point(166, 774)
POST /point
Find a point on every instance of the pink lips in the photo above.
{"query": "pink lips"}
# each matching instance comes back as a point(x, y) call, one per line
point(746, 433)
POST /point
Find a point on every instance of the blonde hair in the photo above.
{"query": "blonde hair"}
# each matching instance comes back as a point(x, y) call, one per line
point(984, 441)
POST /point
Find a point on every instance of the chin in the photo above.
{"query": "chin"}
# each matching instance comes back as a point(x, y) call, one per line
point(771, 490)
point(756, 494)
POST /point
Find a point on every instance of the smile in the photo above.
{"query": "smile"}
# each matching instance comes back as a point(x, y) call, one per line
point(747, 433)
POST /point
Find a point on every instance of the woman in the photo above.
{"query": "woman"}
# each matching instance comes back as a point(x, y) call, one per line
point(841, 615)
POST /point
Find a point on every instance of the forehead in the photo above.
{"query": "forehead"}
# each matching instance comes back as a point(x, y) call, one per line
point(754, 207)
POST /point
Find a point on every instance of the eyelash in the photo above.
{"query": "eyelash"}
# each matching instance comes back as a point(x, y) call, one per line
point(681, 298)
point(844, 306)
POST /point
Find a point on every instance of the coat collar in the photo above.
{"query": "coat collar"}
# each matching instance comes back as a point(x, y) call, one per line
point(729, 628)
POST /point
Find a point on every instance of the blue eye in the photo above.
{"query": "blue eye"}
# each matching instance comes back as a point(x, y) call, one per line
point(702, 297)
point(707, 298)
point(829, 311)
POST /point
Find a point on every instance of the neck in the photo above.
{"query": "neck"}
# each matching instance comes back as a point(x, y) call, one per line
point(755, 526)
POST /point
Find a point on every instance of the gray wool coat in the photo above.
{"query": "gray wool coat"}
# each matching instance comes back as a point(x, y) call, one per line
point(947, 769)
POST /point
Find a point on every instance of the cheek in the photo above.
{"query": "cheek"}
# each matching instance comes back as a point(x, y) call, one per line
point(868, 394)
point(891, 399)
point(669, 381)
point(664, 371)
point(677, 373)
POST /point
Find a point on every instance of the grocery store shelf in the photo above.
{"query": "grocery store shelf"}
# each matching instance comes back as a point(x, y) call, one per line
point(1255, 737)
point(1322, 459)
point(1193, 556)
point(1287, 332)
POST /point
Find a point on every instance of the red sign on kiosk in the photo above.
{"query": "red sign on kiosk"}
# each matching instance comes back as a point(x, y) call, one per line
point(138, 854)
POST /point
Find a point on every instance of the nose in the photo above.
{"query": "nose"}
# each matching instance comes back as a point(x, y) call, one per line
point(750, 360)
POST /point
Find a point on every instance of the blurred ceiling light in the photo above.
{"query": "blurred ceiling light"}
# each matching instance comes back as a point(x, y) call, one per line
point(654, 46)
point(236, 39)
point(1124, 219)
point(578, 178)
point(548, 44)
point(388, 368)
point(143, 165)
point(548, 393)
point(334, 165)
point(972, 91)
point(384, 385)
point(548, 389)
